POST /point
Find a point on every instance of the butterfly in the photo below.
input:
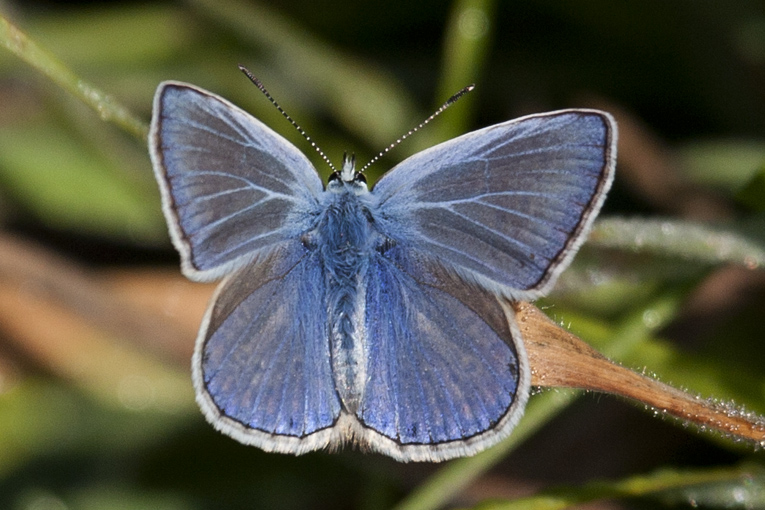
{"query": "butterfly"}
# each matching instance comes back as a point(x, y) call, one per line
point(371, 317)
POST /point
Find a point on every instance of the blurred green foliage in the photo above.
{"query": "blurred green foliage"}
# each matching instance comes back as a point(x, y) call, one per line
point(74, 102)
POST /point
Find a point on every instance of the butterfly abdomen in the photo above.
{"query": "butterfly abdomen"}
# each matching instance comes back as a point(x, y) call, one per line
point(346, 236)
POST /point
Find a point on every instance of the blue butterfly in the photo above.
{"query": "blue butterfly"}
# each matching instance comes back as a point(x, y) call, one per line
point(377, 318)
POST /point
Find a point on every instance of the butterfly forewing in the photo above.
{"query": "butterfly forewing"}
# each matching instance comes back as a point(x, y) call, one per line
point(508, 205)
point(230, 185)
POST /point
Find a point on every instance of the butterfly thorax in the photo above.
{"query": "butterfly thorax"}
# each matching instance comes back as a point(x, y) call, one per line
point(347, 239)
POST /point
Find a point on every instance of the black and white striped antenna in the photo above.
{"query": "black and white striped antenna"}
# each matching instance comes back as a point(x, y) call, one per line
point(443, 107)
point(382, 153)
point(262, 88)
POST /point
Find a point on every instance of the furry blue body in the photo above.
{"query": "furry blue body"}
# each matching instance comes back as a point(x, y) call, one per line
point(346, 238)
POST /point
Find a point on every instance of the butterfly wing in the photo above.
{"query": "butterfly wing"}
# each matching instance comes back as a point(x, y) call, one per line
point(506, 206)
point(447, 375)
point(230, 185)
point(261, 367)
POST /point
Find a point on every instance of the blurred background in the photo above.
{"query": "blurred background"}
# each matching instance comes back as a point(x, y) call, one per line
point(97, 324)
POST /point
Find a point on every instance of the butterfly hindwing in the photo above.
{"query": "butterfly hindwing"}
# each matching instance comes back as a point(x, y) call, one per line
point(506, 206)
point(230, 185)
point(262, 364)
point(446, 373)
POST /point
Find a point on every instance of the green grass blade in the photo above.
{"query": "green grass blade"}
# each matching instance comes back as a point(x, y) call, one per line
point(466, 47)
point(748, 479)
point(106, 106)
point(676, 238)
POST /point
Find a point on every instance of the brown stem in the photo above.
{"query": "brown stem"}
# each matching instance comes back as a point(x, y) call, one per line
point(559, 358)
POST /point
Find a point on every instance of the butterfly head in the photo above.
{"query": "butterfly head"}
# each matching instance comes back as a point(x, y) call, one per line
point(348, 177)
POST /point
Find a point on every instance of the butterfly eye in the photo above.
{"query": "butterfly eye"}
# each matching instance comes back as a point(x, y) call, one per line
point(335, 176)
point(360, 178)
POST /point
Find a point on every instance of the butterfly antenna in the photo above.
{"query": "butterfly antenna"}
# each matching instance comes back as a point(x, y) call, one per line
point(443, 107)
point(258, 84)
